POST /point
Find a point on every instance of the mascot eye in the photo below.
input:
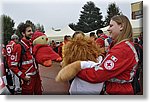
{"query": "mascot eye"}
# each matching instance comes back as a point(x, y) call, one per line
point(42, 38)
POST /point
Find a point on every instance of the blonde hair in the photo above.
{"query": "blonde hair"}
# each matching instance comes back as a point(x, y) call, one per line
point(81, 48)
point(126, 32)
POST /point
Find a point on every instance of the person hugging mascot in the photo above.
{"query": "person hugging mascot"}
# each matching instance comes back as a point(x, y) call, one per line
point(43, 53)
point(80, 48)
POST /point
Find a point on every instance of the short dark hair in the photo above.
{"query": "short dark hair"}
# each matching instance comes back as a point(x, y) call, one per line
point(135, 40)
point(92, 34)
point(99, 31)
point(22, 27)
point(66, 37)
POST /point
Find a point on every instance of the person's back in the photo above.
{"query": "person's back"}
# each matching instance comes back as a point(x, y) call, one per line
point(81, 87)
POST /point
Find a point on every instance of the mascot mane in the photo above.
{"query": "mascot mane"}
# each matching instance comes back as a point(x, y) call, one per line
point(82, 48)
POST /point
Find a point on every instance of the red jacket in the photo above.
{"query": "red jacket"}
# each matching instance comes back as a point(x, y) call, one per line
point(3, 52)
point(14, 57)
point(117, 69)
point(101, 40)
point(43, 53)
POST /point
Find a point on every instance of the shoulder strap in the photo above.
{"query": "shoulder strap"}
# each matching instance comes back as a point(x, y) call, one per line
point(23, 51)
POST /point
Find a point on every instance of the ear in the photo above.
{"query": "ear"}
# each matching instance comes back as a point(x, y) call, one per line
point(23, 34)
point(121, 27)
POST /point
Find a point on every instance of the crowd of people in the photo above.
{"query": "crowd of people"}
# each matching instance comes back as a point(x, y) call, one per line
point(122, 61)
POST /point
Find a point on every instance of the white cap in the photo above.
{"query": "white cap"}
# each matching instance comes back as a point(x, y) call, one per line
point(14, 36)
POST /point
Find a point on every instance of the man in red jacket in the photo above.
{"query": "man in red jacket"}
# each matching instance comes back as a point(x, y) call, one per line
point(13, 80)
point(23, 64)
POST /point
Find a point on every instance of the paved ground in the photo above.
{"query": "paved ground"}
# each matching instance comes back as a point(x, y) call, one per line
point(50, 86)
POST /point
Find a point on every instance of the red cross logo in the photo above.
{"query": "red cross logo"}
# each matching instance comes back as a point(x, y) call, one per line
point(109, 64)
point(8, 50)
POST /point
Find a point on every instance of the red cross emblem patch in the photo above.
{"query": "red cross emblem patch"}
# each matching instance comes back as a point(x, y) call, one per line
point(8, 50)
point(109, 64)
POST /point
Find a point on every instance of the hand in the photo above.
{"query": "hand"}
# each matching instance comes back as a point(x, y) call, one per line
point(59, 59)
point(47, 63)
point(27, 78)
point(68, 72)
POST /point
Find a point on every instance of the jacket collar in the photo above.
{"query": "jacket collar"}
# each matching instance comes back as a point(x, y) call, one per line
point(25, 42)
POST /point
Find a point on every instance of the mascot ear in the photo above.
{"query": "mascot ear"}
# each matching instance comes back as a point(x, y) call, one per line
point(68, 72)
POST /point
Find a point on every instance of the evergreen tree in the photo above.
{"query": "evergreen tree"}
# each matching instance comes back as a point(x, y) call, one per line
point(111, 11)
point(90, 18)
point(72, 26)
point(7, 28)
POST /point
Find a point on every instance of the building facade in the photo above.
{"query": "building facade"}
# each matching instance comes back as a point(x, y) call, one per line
point(137, 10)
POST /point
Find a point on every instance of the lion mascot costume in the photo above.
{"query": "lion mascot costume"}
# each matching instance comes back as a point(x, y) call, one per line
point(80, 48)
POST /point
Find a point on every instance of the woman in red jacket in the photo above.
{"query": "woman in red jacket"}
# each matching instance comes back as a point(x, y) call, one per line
point(119, 66)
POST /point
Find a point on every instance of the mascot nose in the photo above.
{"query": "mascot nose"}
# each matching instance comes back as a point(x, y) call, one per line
point(46, 39)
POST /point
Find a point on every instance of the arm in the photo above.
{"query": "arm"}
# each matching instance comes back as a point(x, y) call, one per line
point(113, 66)
point(68, 72)
point(90, 64)
point(71, 70)
point(14, 60)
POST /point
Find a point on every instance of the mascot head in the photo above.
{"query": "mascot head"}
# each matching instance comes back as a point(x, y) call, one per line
point(80, 48)
point(39, 38)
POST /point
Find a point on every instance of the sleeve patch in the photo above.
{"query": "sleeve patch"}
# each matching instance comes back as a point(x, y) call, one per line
point(12, 57)
point(8, 50)
point(114, 58)
point(109, 64)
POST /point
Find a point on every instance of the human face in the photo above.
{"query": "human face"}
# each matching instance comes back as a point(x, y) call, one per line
point(114, 29)
point(28, 33)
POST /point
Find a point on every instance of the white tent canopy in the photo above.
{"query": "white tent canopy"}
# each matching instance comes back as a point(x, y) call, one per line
point(65, 31)
point(136, 25)
point(59, 35)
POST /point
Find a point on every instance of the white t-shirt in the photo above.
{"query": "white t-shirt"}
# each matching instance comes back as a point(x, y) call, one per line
point(81, 87)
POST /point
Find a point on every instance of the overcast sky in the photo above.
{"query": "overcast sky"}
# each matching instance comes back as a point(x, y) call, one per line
point(56, 13)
